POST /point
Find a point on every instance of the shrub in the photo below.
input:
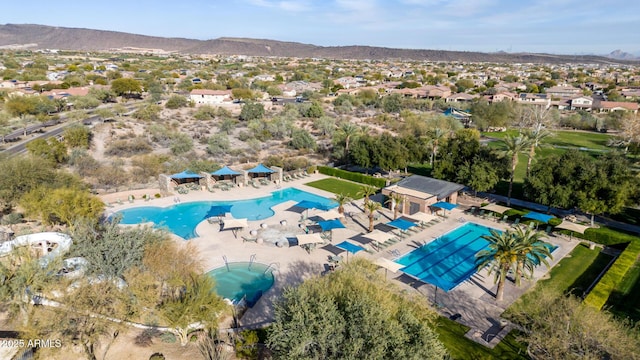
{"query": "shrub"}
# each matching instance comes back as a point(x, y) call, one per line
point(353, 176)
point(157, 196)
point(168, 337)
point(127, 148)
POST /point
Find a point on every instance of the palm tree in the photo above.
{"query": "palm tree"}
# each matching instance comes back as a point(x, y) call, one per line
point(514, 146)
point(350, 131)
point(532, 250)
point(437, 135)
point(341, 199)
point(535, 137)
point(371, 207)
point(366, 191)
point(501, 256)
point(395, 199)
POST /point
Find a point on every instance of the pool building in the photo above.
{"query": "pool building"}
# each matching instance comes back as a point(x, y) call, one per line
point(420, 192)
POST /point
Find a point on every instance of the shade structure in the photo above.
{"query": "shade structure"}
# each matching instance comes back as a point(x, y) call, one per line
point(260, 169)
point(378, 236)
point(187, 174)
point(225, 171)
point(330, 215)
point(306, 204)
point(304, 239)
point(571, 226)
point(218, 210)
point(327, 225)
point(401, 224)
point(235, 224)
point(444, 205)
point(496, 208)
point(538, 216)
point(349, 247)
point(420, 216)
point(388, 264)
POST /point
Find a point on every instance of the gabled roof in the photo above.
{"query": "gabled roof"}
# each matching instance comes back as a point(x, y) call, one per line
point(440, 188)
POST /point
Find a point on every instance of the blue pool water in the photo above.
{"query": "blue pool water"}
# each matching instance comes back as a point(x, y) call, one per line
point(182, 219)
point(450, 259)
point(243, 279)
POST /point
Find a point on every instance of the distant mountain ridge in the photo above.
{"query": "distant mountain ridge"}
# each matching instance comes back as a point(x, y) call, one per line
point(52, 37)
point(621, 55)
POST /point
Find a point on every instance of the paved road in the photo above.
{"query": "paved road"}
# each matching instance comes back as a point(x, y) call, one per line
point(562, 213)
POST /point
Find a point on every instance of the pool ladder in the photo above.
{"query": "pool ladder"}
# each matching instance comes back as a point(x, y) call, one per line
point(251, 260)
point(276, 266)
point(226, 262)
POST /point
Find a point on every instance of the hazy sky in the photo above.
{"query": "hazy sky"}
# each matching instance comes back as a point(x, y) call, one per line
point(554, 26)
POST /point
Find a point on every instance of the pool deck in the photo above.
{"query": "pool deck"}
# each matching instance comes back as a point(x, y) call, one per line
point(471, 303)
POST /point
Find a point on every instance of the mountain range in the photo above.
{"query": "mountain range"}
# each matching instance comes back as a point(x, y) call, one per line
point(34, 37)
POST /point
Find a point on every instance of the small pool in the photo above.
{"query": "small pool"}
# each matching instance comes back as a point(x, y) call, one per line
point(240, 279)
point(182, 219)
point(450, 259)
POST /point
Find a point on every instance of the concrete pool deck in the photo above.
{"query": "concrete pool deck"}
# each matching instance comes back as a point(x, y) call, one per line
point(471, 303)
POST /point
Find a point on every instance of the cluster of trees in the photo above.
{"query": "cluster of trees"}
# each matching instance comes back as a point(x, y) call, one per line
point(132, 275)
point(352, 314)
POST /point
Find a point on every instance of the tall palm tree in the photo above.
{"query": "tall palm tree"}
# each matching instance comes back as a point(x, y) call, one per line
point(535, 137)
point(366, 191)
point(371, 207)
point(395, 200)
point(437, 135)
point(514, 145)
point(501, 256)
point(342, 200)
point(532, 250)
point(349, 131)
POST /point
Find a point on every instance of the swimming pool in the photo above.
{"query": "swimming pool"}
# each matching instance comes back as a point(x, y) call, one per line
point(243, 279)
point(450, 259)
point(182, 219)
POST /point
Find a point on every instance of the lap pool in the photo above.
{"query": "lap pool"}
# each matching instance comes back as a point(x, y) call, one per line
point(450, 259)
point(182, 219)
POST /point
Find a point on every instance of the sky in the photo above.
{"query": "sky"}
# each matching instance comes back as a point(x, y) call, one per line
point(549, 26)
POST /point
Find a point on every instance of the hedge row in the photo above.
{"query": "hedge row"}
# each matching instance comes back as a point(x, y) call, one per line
point(600, 293)
point(353, 176)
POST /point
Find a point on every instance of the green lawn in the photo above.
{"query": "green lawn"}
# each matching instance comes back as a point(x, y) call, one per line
point(572, 274)
point(577, 139)
point(338, 186)
point(625, 299)
point(452, 333)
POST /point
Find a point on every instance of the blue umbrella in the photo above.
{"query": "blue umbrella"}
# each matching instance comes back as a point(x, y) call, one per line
point(306, 204)
point(225, 171)
point(538, 216)
point(217, 210)
point(401, 224)
point(349, 247)
point(444, 205)
point(260, 169)
point(331, 224)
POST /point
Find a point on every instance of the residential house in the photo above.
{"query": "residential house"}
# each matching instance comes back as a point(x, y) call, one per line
point(535, 99)
point(563, 91)
point(609, 106)
point(502, 96)
point(581, 103)
point(460, 98)
point(209, 97)
point(437, 91)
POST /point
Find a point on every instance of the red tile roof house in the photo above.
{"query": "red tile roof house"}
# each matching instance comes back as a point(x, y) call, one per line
point(205, 96)
point(460, 97)
point(608, 106)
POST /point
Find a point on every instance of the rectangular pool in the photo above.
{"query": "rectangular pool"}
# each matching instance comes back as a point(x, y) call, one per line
point(450, 259)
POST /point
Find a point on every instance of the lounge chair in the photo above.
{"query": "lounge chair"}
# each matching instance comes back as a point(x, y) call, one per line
point(481, 214)
point(549, 229)
point(516, 222)
point(246, 239)
point(504, 218)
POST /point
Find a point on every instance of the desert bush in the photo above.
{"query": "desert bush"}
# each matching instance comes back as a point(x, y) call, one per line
point(127, 148)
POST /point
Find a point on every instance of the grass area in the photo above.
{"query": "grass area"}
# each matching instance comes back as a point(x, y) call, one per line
point(575, 273)
point(338, 186)
point(624, 301)
point(452, 333)
point(577, 139)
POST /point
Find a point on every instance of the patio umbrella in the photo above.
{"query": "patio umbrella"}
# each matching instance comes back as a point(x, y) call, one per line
point(328, 225)
point(330, 215)
point(349, 247)
point(388, 265)
point(496, 208)
point(234, 225)
point(444, 206)
point(573, 227)
point(306, 205)
point(260, 169)
point(402, 224)
point(217, 210)
point(304, 239)
point(420, 216)
point(225, 172)
point(538, 216)
point(378, 237)
point(185, 176)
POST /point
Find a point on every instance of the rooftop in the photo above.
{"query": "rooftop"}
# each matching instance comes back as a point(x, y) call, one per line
point(423, 184)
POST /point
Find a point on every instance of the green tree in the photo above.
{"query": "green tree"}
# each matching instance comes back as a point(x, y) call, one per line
point(352, 314)
point(342, 200)
point(61, 205)
point(371, 207)
point(532, 251)
point(176, 102)
point(77, 137)
point(480, 175)
point(301, 139)
point(535, 140)
point(195, 307)
point(366, 191)
point(392, 103)
point(395, 201)
point(251, 110)
point(181, 143)
point(314, 111)
point(514, 145)
point(348, 131)
point(126, 87)
point(218, 144)
point(501, 256)
point(52, 150)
